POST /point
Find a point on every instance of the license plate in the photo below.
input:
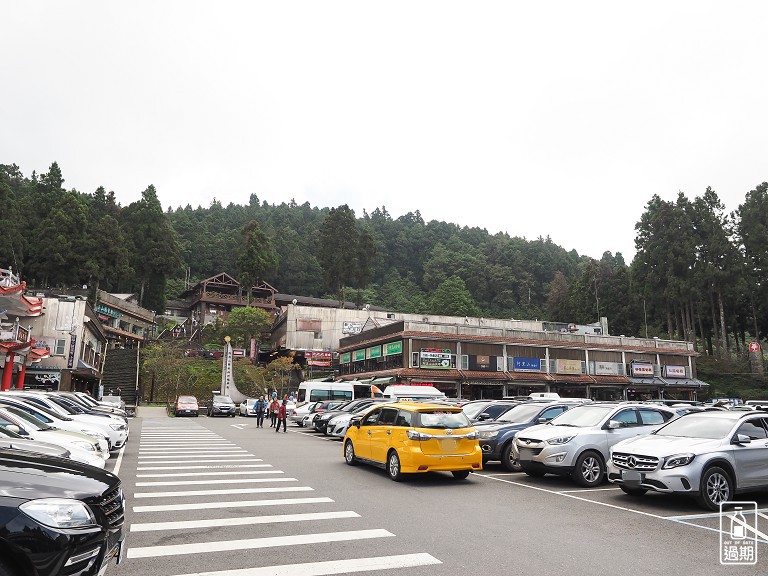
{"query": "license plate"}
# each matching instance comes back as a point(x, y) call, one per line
point(631, 476)
point(525, 454)
point(448, 445)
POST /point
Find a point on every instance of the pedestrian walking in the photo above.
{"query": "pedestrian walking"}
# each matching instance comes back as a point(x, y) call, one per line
point(282, 415)
point(260, 406)
point(274, 408)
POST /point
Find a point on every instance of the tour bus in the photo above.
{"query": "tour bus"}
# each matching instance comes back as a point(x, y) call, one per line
point(395, 391)
point(318, 391)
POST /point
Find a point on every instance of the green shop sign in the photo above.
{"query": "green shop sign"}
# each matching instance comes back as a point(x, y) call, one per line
point(374, 352)
point(345, 358)
point(359, 355)
point(393, 348)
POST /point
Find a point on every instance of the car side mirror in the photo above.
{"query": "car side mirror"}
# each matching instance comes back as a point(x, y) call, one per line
point(16, 430)
point(613, 425)
point(741, 439)
point(356, 422)
point(484, 416)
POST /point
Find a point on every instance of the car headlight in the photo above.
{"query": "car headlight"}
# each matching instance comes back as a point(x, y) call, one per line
point(93, 434)
point(117, 427)
point(560, 440)
point(677, 460)
point(59, 512)
point(488, 434)
point(84, 445)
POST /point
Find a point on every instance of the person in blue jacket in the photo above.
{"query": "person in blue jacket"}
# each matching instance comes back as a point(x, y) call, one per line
point(260, 407)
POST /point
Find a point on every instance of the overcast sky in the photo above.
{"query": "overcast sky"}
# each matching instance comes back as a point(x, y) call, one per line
point(532, 118)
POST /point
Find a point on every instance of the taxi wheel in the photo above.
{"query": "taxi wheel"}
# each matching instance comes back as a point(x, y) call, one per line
point(460, 474)
point(349, 453)
point(393, 466)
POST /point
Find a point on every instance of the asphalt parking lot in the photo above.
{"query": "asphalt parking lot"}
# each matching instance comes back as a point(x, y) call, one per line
point(287, 504)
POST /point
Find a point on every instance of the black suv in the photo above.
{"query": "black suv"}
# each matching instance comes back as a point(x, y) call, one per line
point(57, 516)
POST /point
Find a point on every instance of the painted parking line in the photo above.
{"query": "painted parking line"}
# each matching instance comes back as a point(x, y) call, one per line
point(326, 568)
point(677, 519)
point(212, 467)
point(255, 543)
point(247, 521)
point(186, 493)
point(319, 437)
point(218, 482)
point(236, 504)
point(709, 515)
point(564, 495)
point(219, 473)
point(589, 490)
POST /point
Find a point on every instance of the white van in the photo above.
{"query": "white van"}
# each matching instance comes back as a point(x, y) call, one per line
point(396, 391)
point(319, 391)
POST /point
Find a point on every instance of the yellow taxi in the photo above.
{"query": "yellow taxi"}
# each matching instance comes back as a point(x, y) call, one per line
point(407, 437)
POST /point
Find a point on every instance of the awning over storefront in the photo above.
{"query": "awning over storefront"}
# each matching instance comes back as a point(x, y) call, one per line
point(685, 383)
point(647, 382)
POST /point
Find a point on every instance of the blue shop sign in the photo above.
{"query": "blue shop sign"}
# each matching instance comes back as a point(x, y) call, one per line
point(527, 364)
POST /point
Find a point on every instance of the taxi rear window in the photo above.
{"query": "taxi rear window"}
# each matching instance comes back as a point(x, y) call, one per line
point(442, 419)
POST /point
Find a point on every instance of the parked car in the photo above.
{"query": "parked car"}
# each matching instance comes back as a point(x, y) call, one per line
point(297, 414)
point(414, 437)
point(339, 424)
point(9, 440)
point(58, 421)
point(708, 455)
point(320, 423)
point(113, 427)
point(493, 411)
point(81, 447)
point(222, 406)
point(577, 442)
point(57, 516)
point(246, 407)
point(186, 405)
point(86, 401)
point(497, 437)
point(319, 408)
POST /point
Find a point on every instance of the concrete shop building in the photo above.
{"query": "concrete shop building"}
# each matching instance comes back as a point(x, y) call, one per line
point(479, 358)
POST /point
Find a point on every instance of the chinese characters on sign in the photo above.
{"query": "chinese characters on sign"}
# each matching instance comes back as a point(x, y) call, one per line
point(435, 358)
point(738, 533)
point(351, 327)
point(674, 371)
point(642, 369)
point(317, 358)
point(527, 364)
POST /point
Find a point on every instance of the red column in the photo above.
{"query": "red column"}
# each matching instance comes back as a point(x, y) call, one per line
point(7, 372)
point(20, 377)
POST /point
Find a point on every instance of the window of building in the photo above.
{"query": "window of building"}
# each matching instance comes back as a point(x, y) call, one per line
point(60, 346)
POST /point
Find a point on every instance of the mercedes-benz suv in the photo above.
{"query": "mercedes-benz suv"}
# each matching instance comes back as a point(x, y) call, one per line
point(708, 455)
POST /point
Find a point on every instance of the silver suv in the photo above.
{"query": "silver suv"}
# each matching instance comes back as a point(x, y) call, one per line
point(577, 442)
point(708, 455)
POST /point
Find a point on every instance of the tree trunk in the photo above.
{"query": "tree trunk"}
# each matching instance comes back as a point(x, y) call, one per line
point(701, 330)
point(715, 332)
point(669, 322)
point(723, 331)
point(755, 334)
point(692, 321)
point(141, 291)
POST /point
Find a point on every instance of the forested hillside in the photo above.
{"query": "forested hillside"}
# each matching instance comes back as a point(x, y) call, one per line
point(699, 273)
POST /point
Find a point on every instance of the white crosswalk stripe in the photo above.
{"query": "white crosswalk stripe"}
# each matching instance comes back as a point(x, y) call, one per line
point(189, 524)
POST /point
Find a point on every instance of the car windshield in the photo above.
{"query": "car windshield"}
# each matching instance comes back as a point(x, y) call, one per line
point(29, 420)
point(443, 419)
point(474, 409)
point(187, 399)
point(583, 416)
point(697, 426)
point(224, 399)
point(520, 413)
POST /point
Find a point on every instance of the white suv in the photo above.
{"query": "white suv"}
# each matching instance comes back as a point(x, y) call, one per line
point(577, 442)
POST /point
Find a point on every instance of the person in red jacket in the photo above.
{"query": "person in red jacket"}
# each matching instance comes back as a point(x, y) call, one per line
point(282, 415)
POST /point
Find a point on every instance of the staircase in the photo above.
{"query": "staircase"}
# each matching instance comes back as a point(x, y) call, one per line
point(120, 372)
